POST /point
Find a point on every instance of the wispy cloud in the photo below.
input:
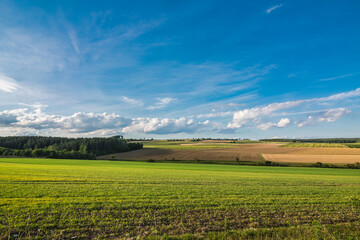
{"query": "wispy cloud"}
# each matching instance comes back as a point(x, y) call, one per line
point(273, 8)
point(340, 96)
point(8, 84)
point(215, 114)
point(74, 40)
point(132, 101)
point(330, 115)
point(334, 78)
point(162, 103)
point(34, 105)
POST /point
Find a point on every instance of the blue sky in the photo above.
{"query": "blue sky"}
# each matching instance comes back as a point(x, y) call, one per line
point(180, 69)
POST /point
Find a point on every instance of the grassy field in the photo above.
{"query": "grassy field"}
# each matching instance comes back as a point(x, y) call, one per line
point(83, 199)
point(195, 145)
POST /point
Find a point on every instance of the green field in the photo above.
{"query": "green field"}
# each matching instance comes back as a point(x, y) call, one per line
point(195, 145)
point(83, 199)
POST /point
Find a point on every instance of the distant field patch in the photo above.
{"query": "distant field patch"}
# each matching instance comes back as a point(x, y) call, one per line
point(316, 145)
point(195, 145)
point(297, 158)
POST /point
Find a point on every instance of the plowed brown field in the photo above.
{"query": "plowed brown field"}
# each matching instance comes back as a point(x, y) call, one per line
point(247, 152)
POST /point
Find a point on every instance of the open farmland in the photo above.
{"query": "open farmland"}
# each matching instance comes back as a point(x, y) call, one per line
point(81, 199)
point(230, 152)
point(324, 145)
point(297, 158)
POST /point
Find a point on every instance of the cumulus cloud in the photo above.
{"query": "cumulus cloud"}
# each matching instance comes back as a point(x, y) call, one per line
point(273, 8)
point(330, 115)
point(244, 116)
point(240, 118)
point(163, 126)
point(281, 124)
point(76, 123)
point(132, 101)
point(162, 103)
point(96, 123)
point(8, 84)
point(9, 117)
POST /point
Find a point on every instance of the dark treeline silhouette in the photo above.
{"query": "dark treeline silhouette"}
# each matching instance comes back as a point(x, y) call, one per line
point(315, 140)
point(59, 147)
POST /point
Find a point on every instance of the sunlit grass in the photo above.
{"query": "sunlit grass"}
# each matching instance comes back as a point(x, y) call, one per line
point(91, 199)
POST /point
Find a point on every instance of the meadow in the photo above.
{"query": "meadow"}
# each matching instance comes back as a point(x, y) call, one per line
point(99, 199)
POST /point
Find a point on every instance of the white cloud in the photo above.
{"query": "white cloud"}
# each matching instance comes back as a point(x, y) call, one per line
point(162, 103)
point(266, 126)
point(244, 116)
point(8, 84)
point(9, 117)
point(34, 105)
point(95, 123)
point(74, 40)
point(132, 101)
point(76, 123)
point(215, 114)
point(341, 96)
point(273, 8)
point(163, 126)
point(337, 77)
point(281, 124)
point(330, 115)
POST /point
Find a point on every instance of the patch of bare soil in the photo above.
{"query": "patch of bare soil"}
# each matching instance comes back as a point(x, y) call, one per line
point(246, 152)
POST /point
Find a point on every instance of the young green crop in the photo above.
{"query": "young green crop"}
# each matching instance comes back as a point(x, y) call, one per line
point(111, 199)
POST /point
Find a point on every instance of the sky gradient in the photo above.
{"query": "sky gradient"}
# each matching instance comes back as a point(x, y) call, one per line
point(180, 69)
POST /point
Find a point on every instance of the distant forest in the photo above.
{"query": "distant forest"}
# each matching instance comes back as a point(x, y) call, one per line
point(59, 147)
point(315, 140)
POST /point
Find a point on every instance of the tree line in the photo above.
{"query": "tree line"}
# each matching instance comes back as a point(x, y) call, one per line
point(60, 147)
point(315, 140)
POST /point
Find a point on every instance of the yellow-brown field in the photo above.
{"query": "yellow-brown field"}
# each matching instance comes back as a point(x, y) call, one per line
point(244, 152)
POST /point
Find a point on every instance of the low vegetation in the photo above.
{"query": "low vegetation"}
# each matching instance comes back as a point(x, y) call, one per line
point(72, 199)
